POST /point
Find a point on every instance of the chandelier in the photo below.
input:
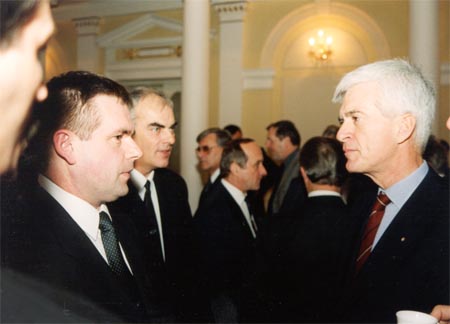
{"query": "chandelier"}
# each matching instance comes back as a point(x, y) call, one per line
point(320, 47)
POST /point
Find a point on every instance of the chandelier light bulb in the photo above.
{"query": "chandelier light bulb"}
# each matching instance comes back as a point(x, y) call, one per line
point(320, 47)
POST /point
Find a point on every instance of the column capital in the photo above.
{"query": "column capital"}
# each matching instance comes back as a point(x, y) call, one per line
point(230, 10)
point(87, 25)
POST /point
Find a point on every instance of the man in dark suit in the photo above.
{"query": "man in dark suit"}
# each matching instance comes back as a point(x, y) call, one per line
point(209, 151)
point(288, 193)
point(63, 233)
point(442, 312)
point(228, 236)
point(161, 213)
point(401, 257)
point(317, 242)
point(283, 145)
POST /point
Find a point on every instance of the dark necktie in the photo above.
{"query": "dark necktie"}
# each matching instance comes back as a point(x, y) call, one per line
point(252, 219)
point(148, 199)
point(371, 229)
point(111, 245)
point(153, 229)
point(205, 190)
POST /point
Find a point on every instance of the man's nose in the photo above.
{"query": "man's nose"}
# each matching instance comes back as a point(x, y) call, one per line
point(133, 152)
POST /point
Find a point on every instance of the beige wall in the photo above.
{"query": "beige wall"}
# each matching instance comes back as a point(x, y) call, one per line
point(301, 92)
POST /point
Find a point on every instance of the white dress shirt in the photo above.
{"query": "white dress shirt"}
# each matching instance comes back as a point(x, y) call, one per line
point(239, 197)
point(399, 193)
point(319, 193)
point(214, 176)
point(139, 181)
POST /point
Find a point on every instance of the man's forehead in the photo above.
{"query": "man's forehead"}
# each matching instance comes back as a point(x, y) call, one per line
point(153, 101)
point(44, 21)
point(272, 132)
point(251, 148)
point(154, 107)
point(210, 138)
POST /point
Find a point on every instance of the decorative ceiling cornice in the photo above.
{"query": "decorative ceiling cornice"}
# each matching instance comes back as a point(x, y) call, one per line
point(66, 11)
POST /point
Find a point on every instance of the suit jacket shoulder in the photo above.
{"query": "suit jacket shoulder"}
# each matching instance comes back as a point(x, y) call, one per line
point(223, 233)
point(167, 179)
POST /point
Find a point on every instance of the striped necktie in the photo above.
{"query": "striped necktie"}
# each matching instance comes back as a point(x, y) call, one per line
point(371, 229)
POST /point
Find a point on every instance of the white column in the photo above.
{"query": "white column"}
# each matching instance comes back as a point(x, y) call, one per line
point(424, 42)
point(231, 13)
point(87, 49)
point(195, 89)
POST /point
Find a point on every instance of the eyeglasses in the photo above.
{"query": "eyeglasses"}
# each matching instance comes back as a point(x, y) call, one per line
point(205, 148)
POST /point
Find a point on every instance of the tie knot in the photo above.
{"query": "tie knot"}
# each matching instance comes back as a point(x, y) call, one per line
point(382, 201)
point(105, 222)
point(247, 200)
point(147, 185)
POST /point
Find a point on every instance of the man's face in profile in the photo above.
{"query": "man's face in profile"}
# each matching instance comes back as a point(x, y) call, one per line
point(21, 82)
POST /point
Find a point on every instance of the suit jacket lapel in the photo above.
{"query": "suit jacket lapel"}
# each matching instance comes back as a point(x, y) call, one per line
point(70, 236)
point(408, 224)
point(236, 212)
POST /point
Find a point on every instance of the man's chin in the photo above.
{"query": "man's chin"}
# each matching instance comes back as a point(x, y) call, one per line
point(353, 168)
point(163, 164)
point(123, 191)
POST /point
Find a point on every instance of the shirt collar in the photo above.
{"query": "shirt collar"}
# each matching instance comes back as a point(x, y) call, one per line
point(215, 175)
point(317, 193)
point(139, 180)
point(402, 190)
point(237, 194)
point(83, 213)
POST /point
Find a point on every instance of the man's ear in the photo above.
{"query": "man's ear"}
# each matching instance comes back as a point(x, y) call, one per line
point(234, 168)
point(304, 175)
point(63, 143)
point(405, 127)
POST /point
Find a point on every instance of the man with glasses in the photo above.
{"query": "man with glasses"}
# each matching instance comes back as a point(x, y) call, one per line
point(209, 151)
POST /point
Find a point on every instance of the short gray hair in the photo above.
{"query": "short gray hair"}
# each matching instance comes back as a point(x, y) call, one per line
point(139, 93)
point(222, 136)
point(233, 152)
point(404, 89)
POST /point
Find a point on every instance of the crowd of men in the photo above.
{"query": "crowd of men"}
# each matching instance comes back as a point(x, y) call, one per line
point(96, 228)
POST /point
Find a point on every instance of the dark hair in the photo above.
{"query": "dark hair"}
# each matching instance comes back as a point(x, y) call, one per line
point(232, 129)
point(233, 152)
point(323, 161)
point(330, 131)
point(15, 14)
point(223, 136)
point(445, 144)
point(286, 128)
point(436, 156)
point(68, 106)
